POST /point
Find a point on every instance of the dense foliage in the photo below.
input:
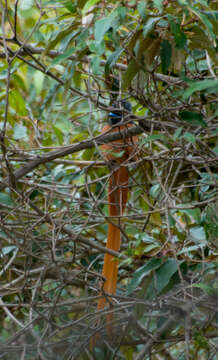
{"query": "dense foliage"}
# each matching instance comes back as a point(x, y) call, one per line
point(62, 65)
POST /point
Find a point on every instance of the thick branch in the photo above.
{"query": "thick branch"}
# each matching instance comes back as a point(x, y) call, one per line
point(98, 140)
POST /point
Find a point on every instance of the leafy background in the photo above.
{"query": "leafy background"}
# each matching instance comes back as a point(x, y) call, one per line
point(61, 64)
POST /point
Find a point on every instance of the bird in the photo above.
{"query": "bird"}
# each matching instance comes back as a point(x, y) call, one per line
point(117, 155)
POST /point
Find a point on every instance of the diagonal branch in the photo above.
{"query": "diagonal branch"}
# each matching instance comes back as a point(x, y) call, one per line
point(100, 139)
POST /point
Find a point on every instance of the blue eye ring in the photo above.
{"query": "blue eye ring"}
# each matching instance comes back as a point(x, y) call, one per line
point(111, 114)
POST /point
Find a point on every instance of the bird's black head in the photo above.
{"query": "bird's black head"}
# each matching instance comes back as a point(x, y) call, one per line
point(117, 115)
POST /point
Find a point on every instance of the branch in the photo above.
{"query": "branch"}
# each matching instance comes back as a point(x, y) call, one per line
point(54, 53)
point(87, 144)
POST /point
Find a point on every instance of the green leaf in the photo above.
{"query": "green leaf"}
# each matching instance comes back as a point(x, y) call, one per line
point(70, 6)
point(155, 191)
point(165, 55)
point(142, 272)
point(179, 35)
point(141, 7)
point(63, 125)
point(194, 118)
point(63, 36)
point(129, 74)
point(38, 79)
point(215, 149)
point(17, 102)
point(149, 25)
point(95, 64)
point(121, 12)
point(102, 26)
point(88, 5)
point(112, 59)
point(82, 39)
point(191, 248)
point(198, 233)
point(7, 250)
point(151, 242)
point(150, 247)
point(165, 272)
point(200, 341)
point(193, 214)
point(206, 288)
point(203, 2)
point(20, 132)
point(115, 154)
point(26, 5)
point(183, 2)
point(199, 86)
point(212, 15)
point(177, 133)
point(205, 21)
point(5, 199)
point(162, 277)
point(145, 238)
point(62, 57)
point(209, 178)
point(158, 4)
point(189, 137)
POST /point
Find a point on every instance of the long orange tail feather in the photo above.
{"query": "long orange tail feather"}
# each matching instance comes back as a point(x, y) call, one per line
point(117, 198)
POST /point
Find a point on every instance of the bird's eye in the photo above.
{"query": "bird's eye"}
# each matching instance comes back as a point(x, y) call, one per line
point(114, 115)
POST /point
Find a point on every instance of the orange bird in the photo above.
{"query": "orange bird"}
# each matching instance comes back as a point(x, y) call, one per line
point(117, 153)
